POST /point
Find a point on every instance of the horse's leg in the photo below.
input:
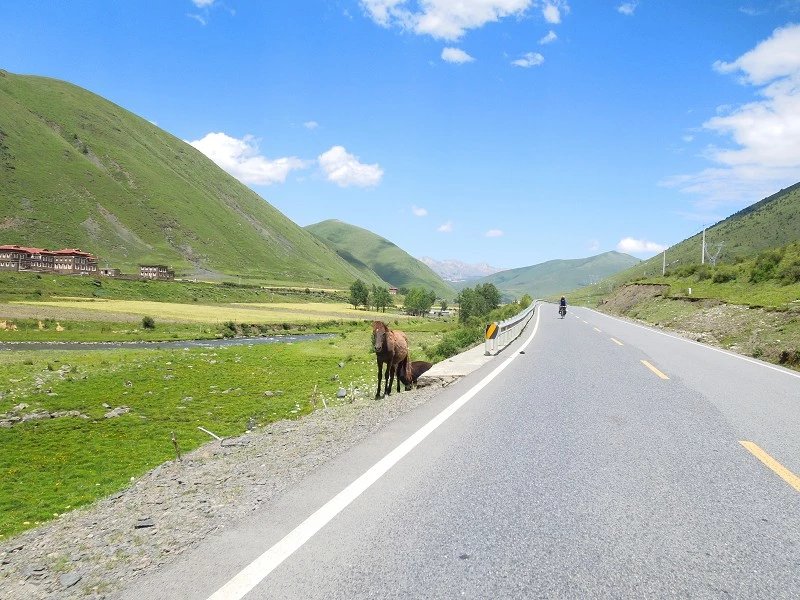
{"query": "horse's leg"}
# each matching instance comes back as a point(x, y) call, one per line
point(380, 376)
point(390, 379)
point(400, 365)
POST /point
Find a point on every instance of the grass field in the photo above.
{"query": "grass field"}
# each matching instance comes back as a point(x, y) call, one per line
point(73, 319)
point(49, 466)
point(204, 313)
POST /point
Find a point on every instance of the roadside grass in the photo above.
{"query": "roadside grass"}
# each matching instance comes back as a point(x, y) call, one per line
point(50, 466)
point(659, 312)
point(767, 294)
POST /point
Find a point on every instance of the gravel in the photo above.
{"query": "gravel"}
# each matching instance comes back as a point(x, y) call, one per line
point(95, 551)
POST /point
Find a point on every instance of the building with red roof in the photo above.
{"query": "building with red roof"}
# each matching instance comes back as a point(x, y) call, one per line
point(69, 260)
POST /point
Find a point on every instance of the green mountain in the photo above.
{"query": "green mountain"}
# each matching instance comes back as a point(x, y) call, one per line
point(78, 171)
point(557, 276)
point(367, 251)
point(769, 223)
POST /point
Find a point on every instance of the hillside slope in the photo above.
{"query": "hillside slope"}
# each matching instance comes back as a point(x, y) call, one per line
point(366, 250)
point(557, 276)
point(768, 223)
point(79, 171)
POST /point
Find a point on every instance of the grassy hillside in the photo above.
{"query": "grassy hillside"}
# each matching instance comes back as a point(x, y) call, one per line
point(367, 251)
point(557, 276)
point(770, 223)
point(79, 171)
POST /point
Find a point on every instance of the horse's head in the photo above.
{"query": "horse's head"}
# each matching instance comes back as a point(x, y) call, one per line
point(380, 333)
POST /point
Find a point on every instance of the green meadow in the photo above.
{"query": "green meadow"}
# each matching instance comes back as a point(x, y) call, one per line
point(50, 466)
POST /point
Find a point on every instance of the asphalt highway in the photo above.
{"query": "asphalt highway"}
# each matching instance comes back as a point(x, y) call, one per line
point(594, 458)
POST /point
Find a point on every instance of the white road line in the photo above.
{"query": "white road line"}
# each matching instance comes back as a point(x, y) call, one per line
point(256, 571)
point(681, 339)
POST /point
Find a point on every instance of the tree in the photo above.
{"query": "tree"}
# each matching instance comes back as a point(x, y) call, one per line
point(359, 294)
point(418, 301)
point(477, 302)
point(444, 304)
point(381, 298)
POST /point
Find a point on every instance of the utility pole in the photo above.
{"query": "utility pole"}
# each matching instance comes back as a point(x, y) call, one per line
point(703, 255)
point(664, 263)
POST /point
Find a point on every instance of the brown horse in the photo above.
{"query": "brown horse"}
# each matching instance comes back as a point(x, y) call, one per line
point(391, 349)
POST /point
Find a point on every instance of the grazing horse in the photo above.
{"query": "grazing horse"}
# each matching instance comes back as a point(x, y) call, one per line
point(391, 348)
point(410, 376)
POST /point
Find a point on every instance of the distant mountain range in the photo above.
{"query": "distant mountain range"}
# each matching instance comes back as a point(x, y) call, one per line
point(557, 276)
point(456, 271)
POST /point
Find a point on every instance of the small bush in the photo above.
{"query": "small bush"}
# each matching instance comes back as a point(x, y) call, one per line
point(723, 275)
point(765, 266)
point(148, 323)
point(703, 272)
point(789, 272)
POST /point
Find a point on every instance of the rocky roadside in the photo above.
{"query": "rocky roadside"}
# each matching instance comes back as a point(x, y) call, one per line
point(95, 551)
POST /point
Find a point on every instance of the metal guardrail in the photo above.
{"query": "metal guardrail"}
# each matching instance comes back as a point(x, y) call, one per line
point(499, 335)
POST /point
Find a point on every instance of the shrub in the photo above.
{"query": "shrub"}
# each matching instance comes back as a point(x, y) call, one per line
point(723, 275)
point(765, 265)
point(703, 272)
point(148, 323)
point(789, 272)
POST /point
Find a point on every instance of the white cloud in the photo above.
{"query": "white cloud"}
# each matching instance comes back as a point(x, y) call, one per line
point(531, 59)
point(202, 3)
point(628, 8)
point(688, 138)
point(240, 158)
point(456, 55)
point(445, 227)
point(765, 134)
point(552, 13)
point(633, 246)
point(419, 212)
point(549, 38)
point(492, 233)
point(442, 19)
point(345, 170)
point(199, 18)
point(593, 245)
point(311, 125)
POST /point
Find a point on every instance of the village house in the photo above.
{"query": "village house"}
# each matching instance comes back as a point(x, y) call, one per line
point(156, 272)
point(68, 261)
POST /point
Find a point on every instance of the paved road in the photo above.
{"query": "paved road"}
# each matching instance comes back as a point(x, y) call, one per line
point(576, 470)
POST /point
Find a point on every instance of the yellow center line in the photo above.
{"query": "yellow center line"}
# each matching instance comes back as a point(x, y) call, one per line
point(616, 341)
point(781, 471)
point(654, 370)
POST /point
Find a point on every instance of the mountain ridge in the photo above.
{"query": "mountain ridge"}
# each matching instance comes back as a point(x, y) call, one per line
point(557, 276)
point(363, 248)
point(77, 170)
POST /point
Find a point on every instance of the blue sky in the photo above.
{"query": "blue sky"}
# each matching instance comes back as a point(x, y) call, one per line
point(502, 131)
